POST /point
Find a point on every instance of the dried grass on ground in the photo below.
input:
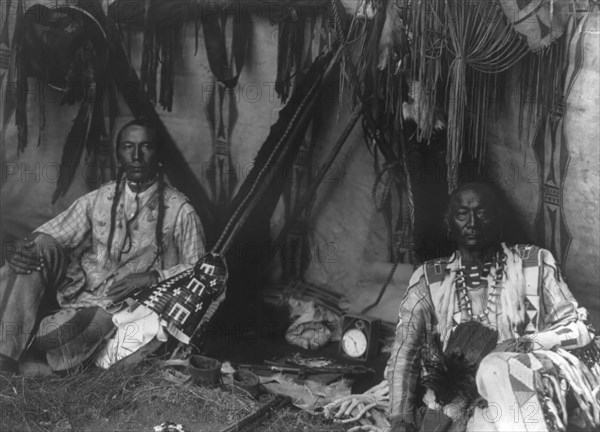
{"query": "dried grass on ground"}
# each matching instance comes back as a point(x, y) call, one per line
point(133, 399)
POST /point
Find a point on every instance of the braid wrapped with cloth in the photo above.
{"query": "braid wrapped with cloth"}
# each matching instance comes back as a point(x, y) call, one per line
point(487, 289)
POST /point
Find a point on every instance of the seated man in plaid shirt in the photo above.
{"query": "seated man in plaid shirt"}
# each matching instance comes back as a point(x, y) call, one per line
point(127, 234)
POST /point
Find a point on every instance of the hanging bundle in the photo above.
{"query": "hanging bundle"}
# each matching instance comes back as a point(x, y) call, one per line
point(425, 73)
point(393, 43)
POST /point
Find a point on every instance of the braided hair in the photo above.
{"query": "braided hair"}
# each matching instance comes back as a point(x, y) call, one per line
point(161, 213)
point(120, 186)
point(113, 209)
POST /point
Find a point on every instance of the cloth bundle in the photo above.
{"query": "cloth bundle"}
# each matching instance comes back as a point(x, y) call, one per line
point(313, 326)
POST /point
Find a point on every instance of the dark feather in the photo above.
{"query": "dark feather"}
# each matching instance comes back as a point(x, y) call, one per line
point(75, 144)
point(473, 339)
point(451, 376)
point(81, 75)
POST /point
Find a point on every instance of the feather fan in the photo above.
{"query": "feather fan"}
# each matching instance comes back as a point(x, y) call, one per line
point(451, 374)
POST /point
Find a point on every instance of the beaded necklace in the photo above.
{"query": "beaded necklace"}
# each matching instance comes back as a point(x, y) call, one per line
point(493, 291)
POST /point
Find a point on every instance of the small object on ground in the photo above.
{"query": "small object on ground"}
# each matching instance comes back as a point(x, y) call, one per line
point(327, 365)
point(300, 371)
point(169, 427)
point(247, 380)
point(227, 368)
point(308, 395)
point(205, 371)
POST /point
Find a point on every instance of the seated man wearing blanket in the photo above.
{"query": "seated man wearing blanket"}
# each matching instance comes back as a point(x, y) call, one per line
point(125, 235)
point(482, 335)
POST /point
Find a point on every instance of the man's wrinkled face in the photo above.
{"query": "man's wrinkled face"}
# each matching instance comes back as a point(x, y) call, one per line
point(473, 220)
point(137, 151)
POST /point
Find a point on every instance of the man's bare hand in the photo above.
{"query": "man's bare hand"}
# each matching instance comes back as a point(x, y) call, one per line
point(27, 257)
point(121, 289)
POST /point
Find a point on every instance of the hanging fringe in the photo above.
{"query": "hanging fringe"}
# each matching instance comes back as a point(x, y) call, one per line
point(169, 39)
point(481, 42)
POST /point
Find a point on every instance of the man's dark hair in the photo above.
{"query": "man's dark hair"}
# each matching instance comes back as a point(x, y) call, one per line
point(120, 185)
point(141, 122)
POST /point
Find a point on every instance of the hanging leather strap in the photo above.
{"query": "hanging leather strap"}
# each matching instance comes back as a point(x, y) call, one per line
point(225, 67)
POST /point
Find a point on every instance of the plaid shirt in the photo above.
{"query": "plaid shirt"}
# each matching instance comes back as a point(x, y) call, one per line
point(83, 230)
